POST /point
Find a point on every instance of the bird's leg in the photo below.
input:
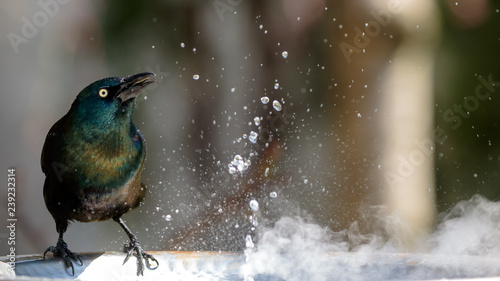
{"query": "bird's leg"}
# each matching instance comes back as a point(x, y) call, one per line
point(134, 245)
point(61, 250)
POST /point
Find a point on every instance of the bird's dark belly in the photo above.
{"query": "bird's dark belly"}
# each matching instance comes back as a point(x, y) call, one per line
point(67, 201)
point(100, 206)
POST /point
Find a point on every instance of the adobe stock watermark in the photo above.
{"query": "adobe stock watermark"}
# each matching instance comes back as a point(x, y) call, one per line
point(39, 19)
point(362, 38)
point(453, 115)
point(223, 6)
point(11, 218)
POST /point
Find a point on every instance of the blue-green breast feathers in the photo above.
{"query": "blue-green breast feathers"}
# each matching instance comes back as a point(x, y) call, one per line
point(103, 158)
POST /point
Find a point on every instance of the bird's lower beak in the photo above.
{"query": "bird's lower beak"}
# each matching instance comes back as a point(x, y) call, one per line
point(133, 85)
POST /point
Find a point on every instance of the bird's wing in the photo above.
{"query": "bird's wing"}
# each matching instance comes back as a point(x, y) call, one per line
point(52, 145)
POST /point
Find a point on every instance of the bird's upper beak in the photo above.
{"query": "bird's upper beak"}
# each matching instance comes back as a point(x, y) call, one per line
point(132, 85)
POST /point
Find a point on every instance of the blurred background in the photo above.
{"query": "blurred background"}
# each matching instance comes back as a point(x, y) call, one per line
point(376, 107)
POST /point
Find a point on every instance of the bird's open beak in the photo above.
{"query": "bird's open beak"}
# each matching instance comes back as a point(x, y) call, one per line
point(133, 85)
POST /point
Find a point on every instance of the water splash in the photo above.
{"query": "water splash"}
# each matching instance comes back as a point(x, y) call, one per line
point(239, 164)
point(464, 245)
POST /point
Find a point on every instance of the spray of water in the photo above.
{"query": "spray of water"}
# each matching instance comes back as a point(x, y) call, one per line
point(465, 244)
point(472, 227)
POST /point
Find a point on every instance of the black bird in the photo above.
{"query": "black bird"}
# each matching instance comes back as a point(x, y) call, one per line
point(93, 158)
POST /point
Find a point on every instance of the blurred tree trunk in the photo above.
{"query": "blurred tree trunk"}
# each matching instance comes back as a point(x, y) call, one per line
point(409, 125)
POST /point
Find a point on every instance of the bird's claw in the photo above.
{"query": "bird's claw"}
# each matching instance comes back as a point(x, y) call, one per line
point(142, 257)
point(148, 257)
point(61, 250)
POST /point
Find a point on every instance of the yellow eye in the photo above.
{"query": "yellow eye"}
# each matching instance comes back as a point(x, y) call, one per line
point(103, 93)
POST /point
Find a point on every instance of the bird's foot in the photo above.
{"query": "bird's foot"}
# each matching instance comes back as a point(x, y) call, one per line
point(141, 255)
point(61, 250)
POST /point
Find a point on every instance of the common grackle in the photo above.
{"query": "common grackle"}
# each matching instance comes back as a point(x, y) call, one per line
point(93, 158)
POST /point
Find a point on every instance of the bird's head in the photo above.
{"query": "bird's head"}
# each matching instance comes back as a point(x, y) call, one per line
point(111, 99)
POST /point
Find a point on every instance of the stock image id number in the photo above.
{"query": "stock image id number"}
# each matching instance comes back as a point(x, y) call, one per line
point(11, 193)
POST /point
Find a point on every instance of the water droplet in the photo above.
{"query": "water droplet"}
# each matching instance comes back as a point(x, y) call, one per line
point(253, 137)
point(168, 217)
point(475, 175)
point(232, 169)
point(153, 46)
point(277, 105)
point(243, 166)
point(273, 194)
point(359, 115)
point(183, 45)
point(306, 181)
point(196, 77)
point(276, 86)
point(266, 172)
point(284, 54)
point(264, 100)
point(256, 121)
point(254, 205)
point(233, 90)
point(248, 242)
